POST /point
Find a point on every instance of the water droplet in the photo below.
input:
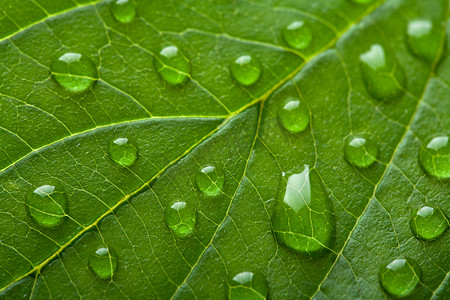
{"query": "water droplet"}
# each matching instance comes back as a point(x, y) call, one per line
point(360, 151)
point(210, 180)
point(424, 39)
point(74, 71)
point(428, 223)
point(246, 70)
point(172, 65)
point(124, 10)
point(294, 115)
point(123, 152)
point(181, 218)
point(303, 218)
point(383, 76)
point(247, 286)
point(400, 276)
point(103, 262)
point(435, 156)
point(47, 205)
point(364, 2)
point(298, 35)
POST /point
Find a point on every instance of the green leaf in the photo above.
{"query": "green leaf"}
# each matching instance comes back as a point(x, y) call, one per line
point(111, 240)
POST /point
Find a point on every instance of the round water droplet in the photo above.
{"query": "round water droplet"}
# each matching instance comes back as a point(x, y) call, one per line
point(294, 115)
point(210, 180)
point(172, 65)
point(364, 2)
point(428, 223)
point(383, 76)
point(435, 156)
point(103, 262)
point(47, 205)
point(246, 70)
point(298, 35)
point(303, 218)
point(123, 152)
point(424, 39)
point(360, 151)
point(181, 218)
point(74, 71)
point(400, 276)
point(124, 10)
point(247, 286)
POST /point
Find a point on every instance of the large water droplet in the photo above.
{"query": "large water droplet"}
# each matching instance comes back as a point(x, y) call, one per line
point(181, 218)
point(123, 152)
point(294, 115)
point(246, 70)
point(210, 180)
point(303, 218)
point(424, 39)
point(383, 76)
point(47, 205)
point(74, 71)
point(124, 10)
point(400, 276)
point(103, 262)
point(247, 286)
point(435, 156)
point(360, 151)
point(298, 35)
point(172, 65)
point(428, 223)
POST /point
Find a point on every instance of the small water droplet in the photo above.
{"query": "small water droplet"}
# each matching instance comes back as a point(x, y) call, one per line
point(123, 152)
point(103, 262)
point(303, 218)
point(435, 156)
point(383, 76)
point(424, 39)
point(210, 180)
point(74, 71)
point(428, 223)
point(124, 10)
point(364, 2)
point(294, 115)
point(246, 70)
point(172, 65)
point(400, 276)
point(298, 34)
point(247, 286)
point(360, 151)
point(181, 218)
point(47, 205)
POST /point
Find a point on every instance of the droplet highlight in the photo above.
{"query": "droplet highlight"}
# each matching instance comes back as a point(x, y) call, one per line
point(298, 35)
point(123, 11)
point(47, 205)
point(246, 70)
point(181, 218)
point(103, 262)
point(360, 151)
point(123, 152)
point(428, 223)
point(247, 286)
point(400, 277)
point(424, 39)
point(435, 156)
point(210, 180)
point(294, 115)
point(172, 65)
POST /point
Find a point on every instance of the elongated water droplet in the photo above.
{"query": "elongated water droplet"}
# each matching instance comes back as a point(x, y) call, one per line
point(172, 65)
point(400, 276)
point(210, 180)
point(364, 2)
point(123, 152)
point(294, 115)
point(103, 262)
point(428, 223)
point(74, 71)
point(181, 218)
point(383, 76)
point(47, 205)
point(303, 218)
point(124, 10)
point(247, 286)
point(246, 70)
point(435, 156)
point(298, 35)
point(360, 151)
point(424, 39)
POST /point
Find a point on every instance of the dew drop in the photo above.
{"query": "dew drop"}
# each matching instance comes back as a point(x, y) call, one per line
point(172, 65)
point(210, 180)
point(428, 223)
point(424, 39)
point(435, 156)
point(124, 10)
point(303, 218)
point(103, 262)
point(298, 35)
point(383, 76)
point(360, 151)
point(47, 205)
point(400, 276)
point(247, 286)
point(246, 70)
point(123, 152)
point(74, 71)
point(294, 115)
point(181, 218)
